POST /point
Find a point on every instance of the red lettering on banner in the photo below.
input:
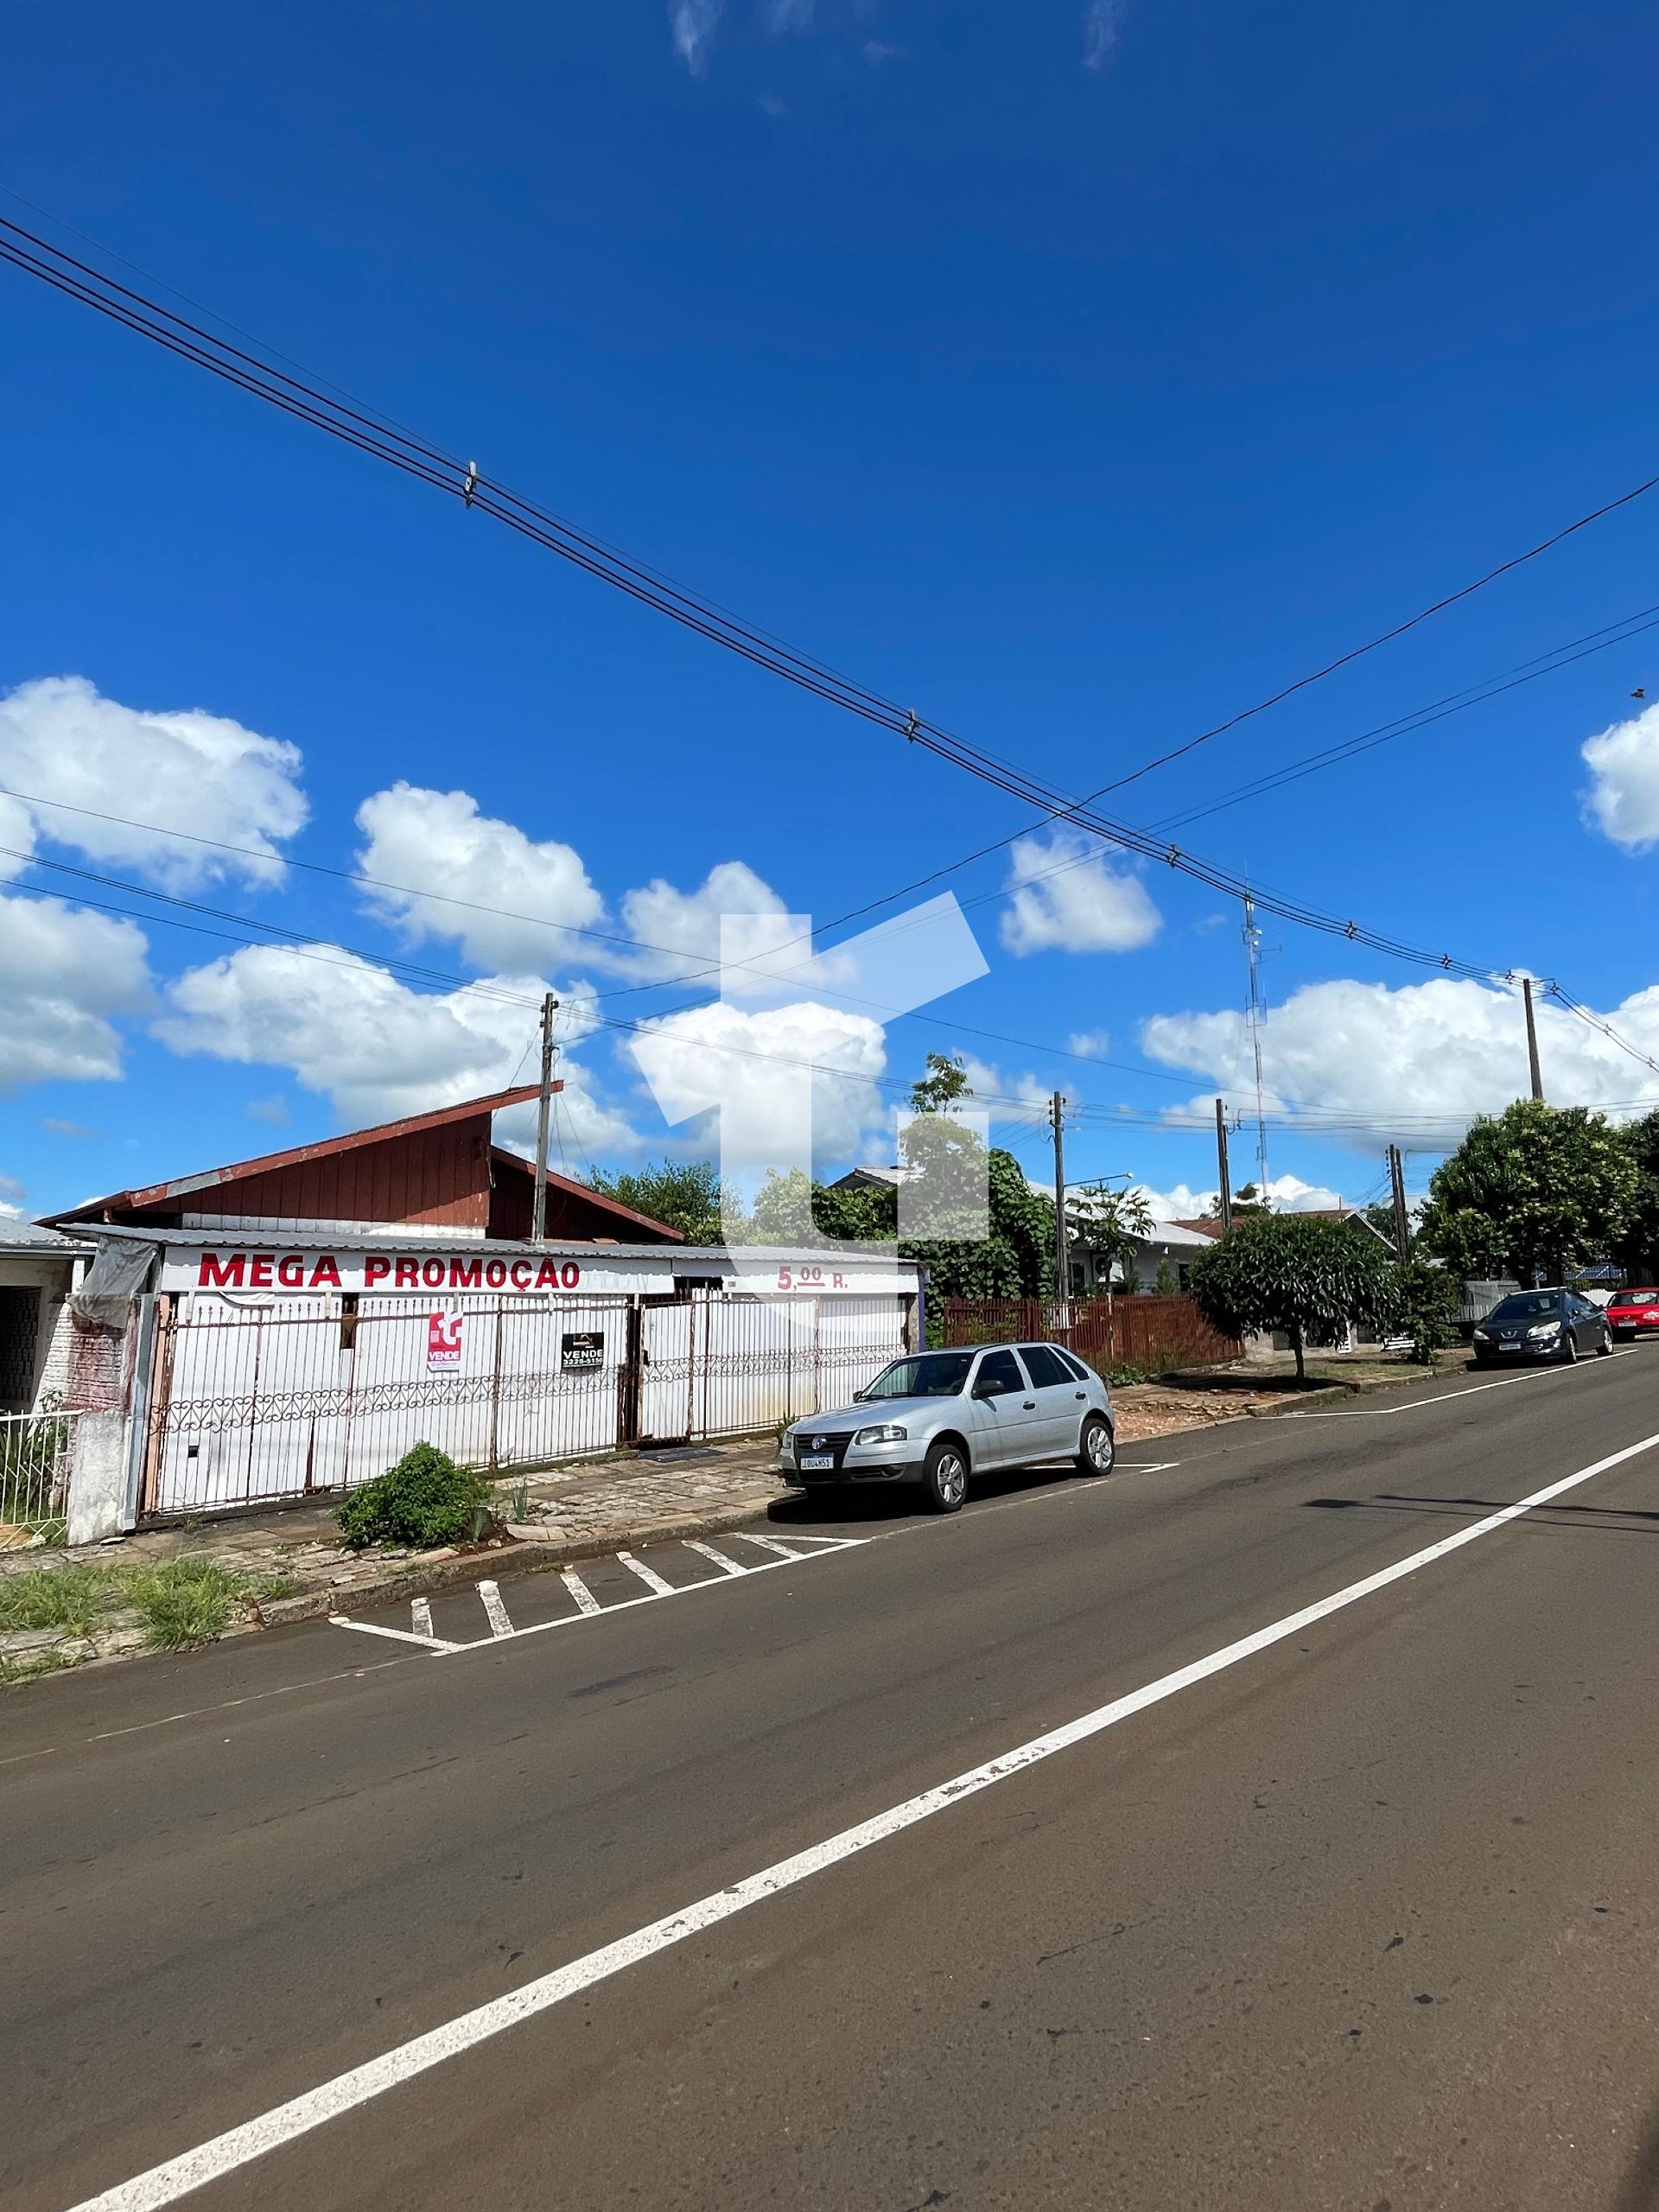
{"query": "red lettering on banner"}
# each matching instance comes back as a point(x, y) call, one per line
point(570, 1274)
point(496, 1274)
point(521, 1274)
point(227, 1273)
point(259, 1273)
point(466, 1274)
point(326, 1274)
point(406, 1275)
point(547, 1275)
point(375, 1270)
point(433, 1272)
point(290, 1271)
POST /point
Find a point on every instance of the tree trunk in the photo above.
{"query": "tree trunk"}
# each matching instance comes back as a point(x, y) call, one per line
point(1301, 1363)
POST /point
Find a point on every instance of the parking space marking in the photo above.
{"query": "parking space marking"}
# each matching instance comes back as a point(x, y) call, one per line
point(588, 1606)
point(585, 1601)
point(495, 1612)
point(719, 1559)
point(648, 1575)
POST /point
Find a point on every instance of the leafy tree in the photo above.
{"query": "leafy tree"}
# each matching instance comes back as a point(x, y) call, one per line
point(1164, 1282)
point(1111, 1225)
point(1638, 1250)
point(1536, 1187)
point(1248, 1204)
point(1427, 1307)
point(944, 1084)
point(1288, 1271)
point(1381, 1218)
point(684, 1193)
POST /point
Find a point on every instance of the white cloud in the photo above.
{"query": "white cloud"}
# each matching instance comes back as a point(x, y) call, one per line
point(1066, 898)
point(723, 1051)
point(1102, 21)
point(1622, 800)
point(682, 929)
point(348, 1029)
point(693, 23)
point(63, 974)
point(418, 838)
point(1089, 1044)
point(11, 1192)
point(1181, 1203)
point(1415, 1064)
point(183, 769)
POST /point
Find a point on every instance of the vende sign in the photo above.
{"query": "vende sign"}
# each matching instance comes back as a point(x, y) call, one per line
point(386, 1271)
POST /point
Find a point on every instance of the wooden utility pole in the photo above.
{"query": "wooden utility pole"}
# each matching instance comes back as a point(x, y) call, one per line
point(1062, 1258)
point(1397, 1189)
point(1532, 1039)
point(1221, 1168)
point(539, 1205)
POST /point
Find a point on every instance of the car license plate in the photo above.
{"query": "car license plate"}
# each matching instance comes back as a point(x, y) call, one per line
point(811, 1462)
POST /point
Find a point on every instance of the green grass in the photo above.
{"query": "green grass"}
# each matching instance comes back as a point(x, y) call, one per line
point(71, 1598)
point(186, 1601)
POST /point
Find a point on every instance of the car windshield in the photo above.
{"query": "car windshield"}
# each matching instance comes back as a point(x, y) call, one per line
point(1536, 1306)
point(932, 1374)
point(1636, 1298)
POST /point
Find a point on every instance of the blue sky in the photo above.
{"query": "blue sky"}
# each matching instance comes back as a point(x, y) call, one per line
point(1080, 375)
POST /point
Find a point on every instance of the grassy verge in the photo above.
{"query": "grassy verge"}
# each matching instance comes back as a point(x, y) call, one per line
point(182, 1602)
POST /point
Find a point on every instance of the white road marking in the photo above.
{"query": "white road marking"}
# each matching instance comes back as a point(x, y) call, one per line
point(1146, 1466)
point(238, 2147)
point(397, 1636)
point(500, 1621)
point(584, 1597)
point(420, 1616)
point(1416, 1405)
point(771, 1544)
point(730, 1566)
point(648, 1575)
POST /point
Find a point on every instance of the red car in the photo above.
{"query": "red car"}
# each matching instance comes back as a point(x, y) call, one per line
point(1633, 1312)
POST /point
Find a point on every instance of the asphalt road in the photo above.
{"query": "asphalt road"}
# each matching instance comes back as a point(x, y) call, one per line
point(1363, 1917)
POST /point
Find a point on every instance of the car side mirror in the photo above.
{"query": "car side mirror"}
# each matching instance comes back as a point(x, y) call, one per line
point(986, 1391)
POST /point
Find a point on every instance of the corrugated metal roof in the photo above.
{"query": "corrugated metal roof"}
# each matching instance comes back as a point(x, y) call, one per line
point(406, 1237)
point(35, 1236)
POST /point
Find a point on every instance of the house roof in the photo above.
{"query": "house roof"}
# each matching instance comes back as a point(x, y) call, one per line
point(1201, 1226)
point(627, 1216)
point(34, 1236)
point(157, 1194)
point(1180, 1235)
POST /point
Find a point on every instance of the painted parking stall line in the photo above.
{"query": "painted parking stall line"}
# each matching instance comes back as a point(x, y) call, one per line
point(239, 2146)
point(498, 1623)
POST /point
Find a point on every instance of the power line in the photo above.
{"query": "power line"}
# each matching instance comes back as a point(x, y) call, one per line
point(377, 436)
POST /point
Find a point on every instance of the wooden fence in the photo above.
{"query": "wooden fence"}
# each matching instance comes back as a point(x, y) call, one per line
point(1155, 1333)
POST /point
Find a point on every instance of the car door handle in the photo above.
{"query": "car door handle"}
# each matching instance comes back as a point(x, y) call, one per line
point(1080, 1395)
point(1029, 1406)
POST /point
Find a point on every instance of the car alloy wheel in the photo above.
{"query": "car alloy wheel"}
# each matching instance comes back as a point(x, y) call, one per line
point(946, 1477)
point(1097, 1452)
point(1605, 1348)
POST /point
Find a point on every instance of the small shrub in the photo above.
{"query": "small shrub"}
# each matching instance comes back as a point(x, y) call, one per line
point(187, 1601)
point(426, 1500)
point(1126, 1372)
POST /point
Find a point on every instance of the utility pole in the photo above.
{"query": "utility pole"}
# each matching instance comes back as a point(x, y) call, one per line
point(1062, 1259)
point(1253, 948)
point(1532, 1039)
point(538, 1204)
point(1397, 1189)
point(1221, 1167)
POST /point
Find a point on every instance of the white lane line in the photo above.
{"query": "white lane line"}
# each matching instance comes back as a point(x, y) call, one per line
point(238, 2147)
point(731, 1566)
point(648, 1575)
point(500, 1621)
point(1146, 1466)
point(1416, 1405)
point(771, 1544)
point(397, 1636)
point(584, 1597)
point(420, 1616)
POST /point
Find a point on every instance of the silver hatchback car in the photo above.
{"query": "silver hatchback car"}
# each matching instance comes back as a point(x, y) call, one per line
point(936, 1418)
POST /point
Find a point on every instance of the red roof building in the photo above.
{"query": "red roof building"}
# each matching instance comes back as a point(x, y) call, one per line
point(439, 1172)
